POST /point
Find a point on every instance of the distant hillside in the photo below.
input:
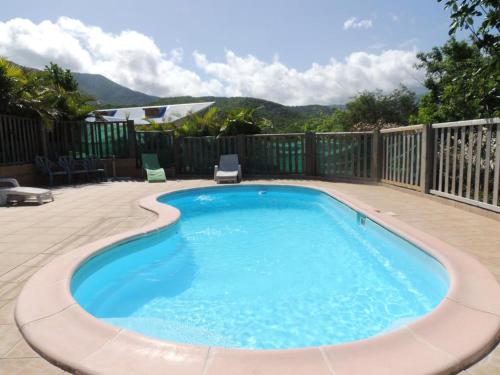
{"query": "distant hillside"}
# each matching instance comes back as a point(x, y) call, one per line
point(109, 93)
point(282, 116)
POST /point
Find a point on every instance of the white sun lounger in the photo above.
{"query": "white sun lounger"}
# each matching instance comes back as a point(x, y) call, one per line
point(228, 170)
point(11, 191)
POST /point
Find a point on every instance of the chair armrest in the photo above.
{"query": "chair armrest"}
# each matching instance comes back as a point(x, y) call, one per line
point(216, 169)
point(61, 165)
point(9, 182)
point(79, 165)
point(240, 175)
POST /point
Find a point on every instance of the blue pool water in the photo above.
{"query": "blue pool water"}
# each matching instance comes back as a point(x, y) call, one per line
point(261, 267)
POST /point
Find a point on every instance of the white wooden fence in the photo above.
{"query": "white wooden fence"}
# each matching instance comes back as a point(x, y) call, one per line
point(455, 160)
point(467, 162)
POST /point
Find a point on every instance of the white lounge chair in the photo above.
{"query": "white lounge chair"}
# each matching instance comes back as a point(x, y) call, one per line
point(228, 170)
point(10, 190)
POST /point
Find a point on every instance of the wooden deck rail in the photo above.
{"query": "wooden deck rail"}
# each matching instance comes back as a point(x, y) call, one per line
point(402, 154)
point(344, 155)
point(161, 143)
point(20, 139)
point(467, 162)
point(457, 160)
point(81, 139)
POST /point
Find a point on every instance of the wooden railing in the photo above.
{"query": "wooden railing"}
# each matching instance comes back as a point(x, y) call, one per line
point(402, 156)
point(81, 139)
point(455, 160)
point(346, 155)
point(331, 155)
point(198, 155)
point(275, 154)
point(467, 162)
point(19, 139)
point(161, 143)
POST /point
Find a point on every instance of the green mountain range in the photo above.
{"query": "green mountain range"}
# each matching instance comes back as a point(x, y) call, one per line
point(110, 94)
point(280, 115)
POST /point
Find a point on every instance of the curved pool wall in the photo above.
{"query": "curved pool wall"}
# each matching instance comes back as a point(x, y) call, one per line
point(261, 267)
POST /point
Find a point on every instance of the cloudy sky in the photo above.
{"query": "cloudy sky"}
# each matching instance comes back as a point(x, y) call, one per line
point(290, 51)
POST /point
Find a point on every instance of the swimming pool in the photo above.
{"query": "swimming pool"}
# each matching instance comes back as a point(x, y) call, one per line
point(261, 267)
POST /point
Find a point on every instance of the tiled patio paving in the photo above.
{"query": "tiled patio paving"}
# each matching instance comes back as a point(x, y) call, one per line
point(30, 236)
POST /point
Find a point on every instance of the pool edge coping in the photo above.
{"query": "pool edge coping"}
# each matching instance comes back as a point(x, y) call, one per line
point(462, 329)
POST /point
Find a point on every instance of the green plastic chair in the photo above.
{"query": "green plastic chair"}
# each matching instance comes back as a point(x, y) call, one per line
point(151, 164)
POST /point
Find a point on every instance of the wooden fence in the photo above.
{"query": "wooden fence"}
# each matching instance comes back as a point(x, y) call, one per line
point(262, 154)
point(156, 142)
point(346, 155)
point(19, 139)
point(198, 155)
point(275, 154)
point(81, 139)
point(467, 162)
point(401, 156)
point(456, 160)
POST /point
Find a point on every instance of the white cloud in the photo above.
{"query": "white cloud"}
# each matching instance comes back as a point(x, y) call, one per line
point(334, 82)
point(134, 60)
point(354, 23)
point(129, 58)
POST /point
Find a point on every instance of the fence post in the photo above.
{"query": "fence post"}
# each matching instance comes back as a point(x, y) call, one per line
point(178, 153)
point(43, 138)
point(310, 154)
point(242, 150)
point(376, 155)
point(131, 139)
point(426, 156)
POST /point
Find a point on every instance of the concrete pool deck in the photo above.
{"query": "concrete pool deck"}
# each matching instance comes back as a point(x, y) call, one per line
point(32, 236)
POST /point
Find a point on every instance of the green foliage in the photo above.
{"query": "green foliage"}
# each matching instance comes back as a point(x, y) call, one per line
point(155, 126)
point(214, 122)
point(51, 94)
point(60, 78)
point(242, 121)
point(460, 84)
point(377, 108)
point(323, 123)
point(12, 80)
point(466, 13)
point(197, 125)
point(280, 118)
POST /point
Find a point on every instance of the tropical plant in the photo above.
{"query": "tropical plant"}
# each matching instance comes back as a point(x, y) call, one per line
point(242, 121)
point(200, 124)
point(12, 80)
point(51, 94)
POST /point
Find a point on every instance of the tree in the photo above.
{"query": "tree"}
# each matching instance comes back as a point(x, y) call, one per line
point(12, 80)
point(242, 121)
point(466, 13)
point(56, 96)
point(51, 94)
point(216, 123)
point(323, 123)
point(378, 108)
point(197, 125)
point(459, 87)
point(61, 78)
